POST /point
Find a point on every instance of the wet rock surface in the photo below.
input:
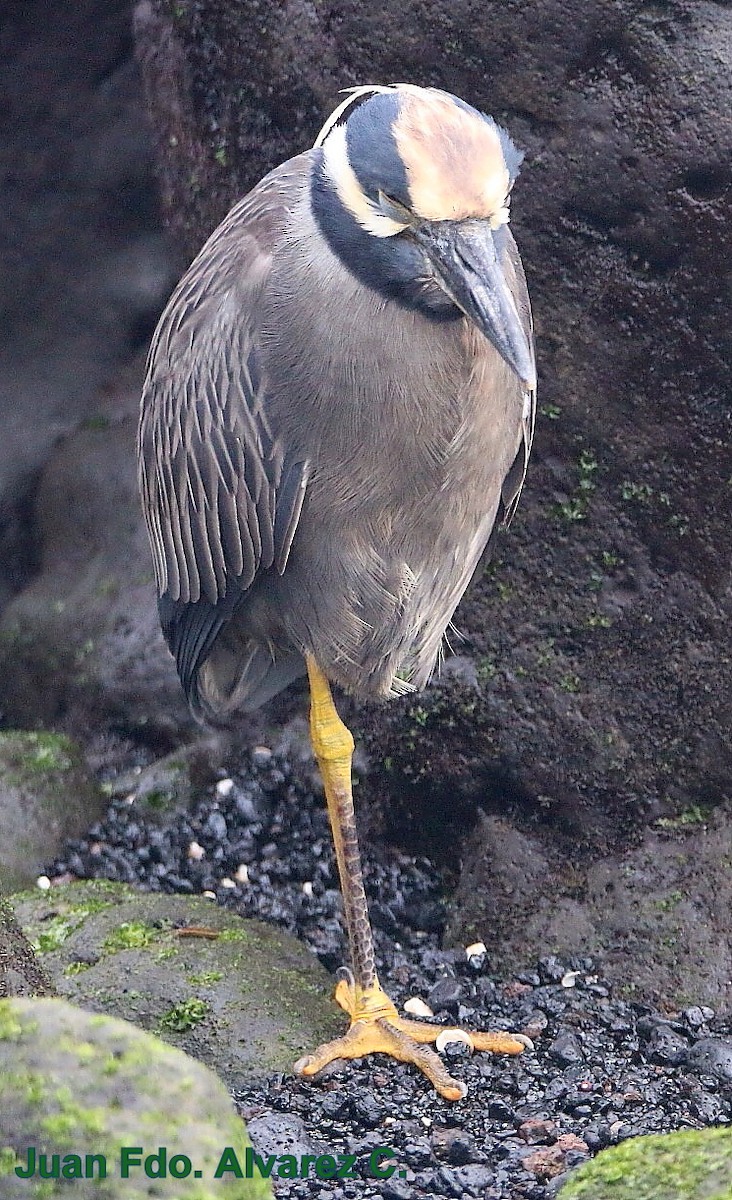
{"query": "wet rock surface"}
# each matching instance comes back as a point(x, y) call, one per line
point(63, 1075)
point(47, 794)
point(240, 996)
point(693, 1165)
point(658, 913)
point(84, 263)
point(606, 1066)
point(80, 645)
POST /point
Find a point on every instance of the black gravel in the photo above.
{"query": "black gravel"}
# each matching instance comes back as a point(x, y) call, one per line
point(605, 1068)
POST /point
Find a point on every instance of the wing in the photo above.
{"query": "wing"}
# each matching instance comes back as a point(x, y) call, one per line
point(221, 496)
point(514, 481)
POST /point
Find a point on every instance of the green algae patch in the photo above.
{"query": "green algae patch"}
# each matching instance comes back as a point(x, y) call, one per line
point(130, 935)
point(691, 1164)
point(206, 978)
point(57, 1095)
point(10, 1027)
point(245, 999)
point(39, 752)
point(184, 1016)
point(8, 1160)
point(76, 967)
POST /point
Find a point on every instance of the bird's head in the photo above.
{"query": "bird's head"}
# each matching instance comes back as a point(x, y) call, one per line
point(411, 189)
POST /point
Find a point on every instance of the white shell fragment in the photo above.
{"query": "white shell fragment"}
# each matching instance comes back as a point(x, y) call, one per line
point(227, 883)
point(569, 979)
point(196, 852)
point(474, 949)
point(307, 888)
point(43, 882)
point(453, 1035)
point(209, 895)
point(417, 1007)
point(224, 788)
point(242, 873)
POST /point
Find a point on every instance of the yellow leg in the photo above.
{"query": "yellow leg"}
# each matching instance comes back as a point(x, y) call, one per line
point(375, 1023)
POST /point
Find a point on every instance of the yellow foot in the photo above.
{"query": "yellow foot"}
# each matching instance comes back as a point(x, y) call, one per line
point(376, 1026)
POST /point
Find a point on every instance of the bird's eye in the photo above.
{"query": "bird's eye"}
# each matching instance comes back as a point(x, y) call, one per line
point(395, 210)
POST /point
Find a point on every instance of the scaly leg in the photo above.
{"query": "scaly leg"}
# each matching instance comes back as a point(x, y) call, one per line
point(375, 1023)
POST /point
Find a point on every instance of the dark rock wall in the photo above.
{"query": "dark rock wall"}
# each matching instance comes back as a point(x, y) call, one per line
point(600, 648)
point(592, 702)
point(588, 712)
point(84, 264)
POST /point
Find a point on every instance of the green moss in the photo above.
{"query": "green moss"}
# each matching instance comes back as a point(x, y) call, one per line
point(84, 1052)
point(697, 814)
point(38, 752)
point(184, 1016)
point(206, 978)
point(130, 935)
point(10, 1027)
point(8, 1160)
point(688, 1165)
point(76, 968)
point(234, 935)
point(72, 1119)
point(54, 934)
point(157, 800)
point(28, 1084)
point(50, 934)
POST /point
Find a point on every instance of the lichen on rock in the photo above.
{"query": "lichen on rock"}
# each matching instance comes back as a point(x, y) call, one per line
point(74, 1084)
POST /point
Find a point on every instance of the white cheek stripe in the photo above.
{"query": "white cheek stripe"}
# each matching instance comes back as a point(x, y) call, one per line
point(341, 174)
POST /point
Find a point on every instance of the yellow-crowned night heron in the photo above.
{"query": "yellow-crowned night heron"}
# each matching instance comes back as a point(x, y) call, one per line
point(337, 413)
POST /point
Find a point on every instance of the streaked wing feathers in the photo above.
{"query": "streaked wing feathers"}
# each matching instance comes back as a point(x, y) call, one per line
point(222, 499)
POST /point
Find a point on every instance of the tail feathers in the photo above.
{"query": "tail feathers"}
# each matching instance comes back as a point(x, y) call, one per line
point(241, 678)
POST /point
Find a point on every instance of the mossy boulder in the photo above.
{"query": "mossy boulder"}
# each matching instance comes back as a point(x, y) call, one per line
point(74, 1084)
point(691, 1164)
point(239, 995)
point(46, 794)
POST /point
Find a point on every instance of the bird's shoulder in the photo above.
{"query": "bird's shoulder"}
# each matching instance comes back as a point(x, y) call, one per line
point(221, 494)
point(233, 264)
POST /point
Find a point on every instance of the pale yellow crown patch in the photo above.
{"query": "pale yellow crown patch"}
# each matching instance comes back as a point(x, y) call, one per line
point(453, 159)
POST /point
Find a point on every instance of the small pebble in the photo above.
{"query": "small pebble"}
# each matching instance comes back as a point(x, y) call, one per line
point(713, 1056)
point(535, 1132)
point(449, 1037)
point(445, 994)
point(591, 1077)
point(417, 1008)
point(215, 826)
point(566, 1048)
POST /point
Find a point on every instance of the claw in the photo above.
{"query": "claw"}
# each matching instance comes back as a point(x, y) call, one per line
point(377, 1027)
